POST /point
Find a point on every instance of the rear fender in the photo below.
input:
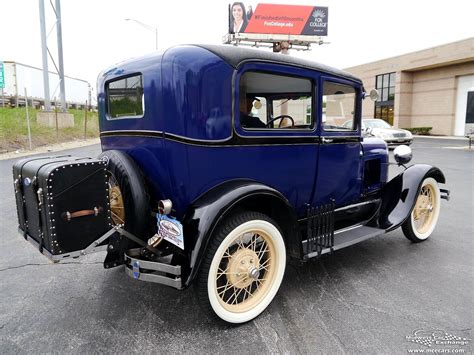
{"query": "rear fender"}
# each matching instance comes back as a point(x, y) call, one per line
point(399, 194)
point(205, 214)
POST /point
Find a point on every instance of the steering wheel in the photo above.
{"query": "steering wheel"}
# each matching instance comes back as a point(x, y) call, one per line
point(281, 117)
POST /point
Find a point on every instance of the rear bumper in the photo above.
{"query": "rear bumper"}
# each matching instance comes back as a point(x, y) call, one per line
point(152, 271)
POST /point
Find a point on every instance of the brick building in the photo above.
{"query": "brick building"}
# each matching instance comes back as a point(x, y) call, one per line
point(430, 88)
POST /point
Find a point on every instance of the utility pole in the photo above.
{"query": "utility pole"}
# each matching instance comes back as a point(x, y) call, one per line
point(62, 87)
point(44, 52)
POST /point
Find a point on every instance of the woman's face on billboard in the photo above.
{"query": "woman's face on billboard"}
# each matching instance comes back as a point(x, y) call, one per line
point(237, 12)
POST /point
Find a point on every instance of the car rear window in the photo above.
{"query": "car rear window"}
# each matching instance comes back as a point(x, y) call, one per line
point(125, 97)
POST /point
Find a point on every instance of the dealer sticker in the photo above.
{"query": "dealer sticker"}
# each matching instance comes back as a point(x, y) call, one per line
point(171, 230)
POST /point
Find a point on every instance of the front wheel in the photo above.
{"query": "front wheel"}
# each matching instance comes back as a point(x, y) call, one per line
point(422, 221)
point(243, 268)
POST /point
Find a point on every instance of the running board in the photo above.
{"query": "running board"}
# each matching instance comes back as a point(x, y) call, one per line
point(347, 237)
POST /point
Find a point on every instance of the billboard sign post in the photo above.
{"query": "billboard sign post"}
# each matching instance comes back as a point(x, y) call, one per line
point(2, 82)
point(2, 76)
point(272, 23)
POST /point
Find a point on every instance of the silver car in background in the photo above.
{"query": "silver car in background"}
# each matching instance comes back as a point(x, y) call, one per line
point(375, 127)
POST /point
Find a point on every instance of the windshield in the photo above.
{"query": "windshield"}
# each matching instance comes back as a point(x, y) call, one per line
point(376, 124)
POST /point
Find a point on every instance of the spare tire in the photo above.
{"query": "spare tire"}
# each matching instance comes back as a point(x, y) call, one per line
point(129, 201)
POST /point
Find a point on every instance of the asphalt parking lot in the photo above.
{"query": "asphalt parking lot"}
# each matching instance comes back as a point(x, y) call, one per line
point(367, 298)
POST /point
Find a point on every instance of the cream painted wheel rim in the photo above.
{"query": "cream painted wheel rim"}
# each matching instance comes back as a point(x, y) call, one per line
point(246, 271)
point(117, 208)
point(426, 211)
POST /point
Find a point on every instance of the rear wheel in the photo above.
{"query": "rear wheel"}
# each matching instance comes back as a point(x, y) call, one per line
point(129, 202)
point(243, 268)
point(422, 221)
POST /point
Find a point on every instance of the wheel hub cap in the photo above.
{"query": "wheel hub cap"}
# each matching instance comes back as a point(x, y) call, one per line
point(243, 268)
point(254, 273)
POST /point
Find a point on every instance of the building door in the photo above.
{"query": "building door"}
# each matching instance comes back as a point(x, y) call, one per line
point(464, 102)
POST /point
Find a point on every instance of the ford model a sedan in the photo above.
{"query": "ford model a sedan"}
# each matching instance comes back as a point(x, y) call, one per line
point(221, 163)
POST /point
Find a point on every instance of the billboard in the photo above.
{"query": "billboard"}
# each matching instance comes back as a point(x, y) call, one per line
point(278, 19)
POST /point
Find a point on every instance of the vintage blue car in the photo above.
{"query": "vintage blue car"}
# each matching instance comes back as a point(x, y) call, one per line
point(224, 162)
point(246, 159)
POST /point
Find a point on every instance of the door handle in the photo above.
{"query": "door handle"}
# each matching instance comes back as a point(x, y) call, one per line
point(327, 140)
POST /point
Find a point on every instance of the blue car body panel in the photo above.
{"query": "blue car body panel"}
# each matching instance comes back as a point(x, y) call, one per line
point(188, 140)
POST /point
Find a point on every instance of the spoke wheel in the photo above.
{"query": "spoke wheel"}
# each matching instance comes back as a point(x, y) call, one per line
point(244, 268)
point(423, 211)
point(117, 206)
point(246, 271)
point(424, 216)
point(128, 201)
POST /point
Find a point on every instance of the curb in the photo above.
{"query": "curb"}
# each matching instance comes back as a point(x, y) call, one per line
point(441, 137)
point(49, 148)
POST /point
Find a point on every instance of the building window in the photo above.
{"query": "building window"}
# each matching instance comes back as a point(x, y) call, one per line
point(385, 84)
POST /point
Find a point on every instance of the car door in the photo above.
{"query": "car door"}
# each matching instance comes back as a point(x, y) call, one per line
point(340, 154)
point(283, 153)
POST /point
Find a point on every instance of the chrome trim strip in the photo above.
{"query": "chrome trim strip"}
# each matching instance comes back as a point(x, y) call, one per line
point(339, 231)
point(347, 244)
point(355, 205)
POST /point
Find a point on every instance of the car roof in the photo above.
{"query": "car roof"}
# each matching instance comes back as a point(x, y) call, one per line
point(235, 56)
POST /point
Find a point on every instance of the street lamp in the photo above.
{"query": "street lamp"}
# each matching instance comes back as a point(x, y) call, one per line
point(148, 27)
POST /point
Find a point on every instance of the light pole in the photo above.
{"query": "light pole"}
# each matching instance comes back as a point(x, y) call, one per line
point(148, 27)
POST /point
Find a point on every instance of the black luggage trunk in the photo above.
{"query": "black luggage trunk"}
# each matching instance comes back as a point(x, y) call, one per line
point(62, 202)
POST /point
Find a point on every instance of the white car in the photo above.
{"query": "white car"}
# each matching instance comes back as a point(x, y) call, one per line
point(376, 127)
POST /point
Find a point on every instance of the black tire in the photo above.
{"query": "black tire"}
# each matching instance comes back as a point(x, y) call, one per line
point(265, 281)
point(136, 204)
point(427, 208)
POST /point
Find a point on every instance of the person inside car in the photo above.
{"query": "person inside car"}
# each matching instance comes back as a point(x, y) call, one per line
point(246, 119)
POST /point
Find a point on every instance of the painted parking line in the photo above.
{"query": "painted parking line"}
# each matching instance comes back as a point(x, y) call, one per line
point(460, 148)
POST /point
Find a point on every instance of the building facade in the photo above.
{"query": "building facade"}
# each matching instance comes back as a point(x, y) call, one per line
point(428, 88)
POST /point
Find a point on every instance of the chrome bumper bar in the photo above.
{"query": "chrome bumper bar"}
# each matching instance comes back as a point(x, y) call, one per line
point(152, 271)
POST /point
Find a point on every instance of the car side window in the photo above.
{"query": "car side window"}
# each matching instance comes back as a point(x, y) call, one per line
point(339, 105)
point(273, 101)
point(125, 97)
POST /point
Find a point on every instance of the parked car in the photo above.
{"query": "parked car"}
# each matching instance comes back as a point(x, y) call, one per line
point(220, 167)
point(376, 127)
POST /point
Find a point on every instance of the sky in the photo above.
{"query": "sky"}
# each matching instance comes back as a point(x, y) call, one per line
point(96, 35)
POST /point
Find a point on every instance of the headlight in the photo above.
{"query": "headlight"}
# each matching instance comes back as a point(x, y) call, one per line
point(408, 134)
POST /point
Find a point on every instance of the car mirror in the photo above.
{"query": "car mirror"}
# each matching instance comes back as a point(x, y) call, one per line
point(402, 154)
point(374, 95)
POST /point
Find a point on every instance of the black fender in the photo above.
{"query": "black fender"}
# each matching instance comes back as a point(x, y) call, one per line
point(206, 212)
point(399, 194)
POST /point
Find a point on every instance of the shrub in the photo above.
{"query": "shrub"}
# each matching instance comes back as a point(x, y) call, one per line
point(422, 131)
